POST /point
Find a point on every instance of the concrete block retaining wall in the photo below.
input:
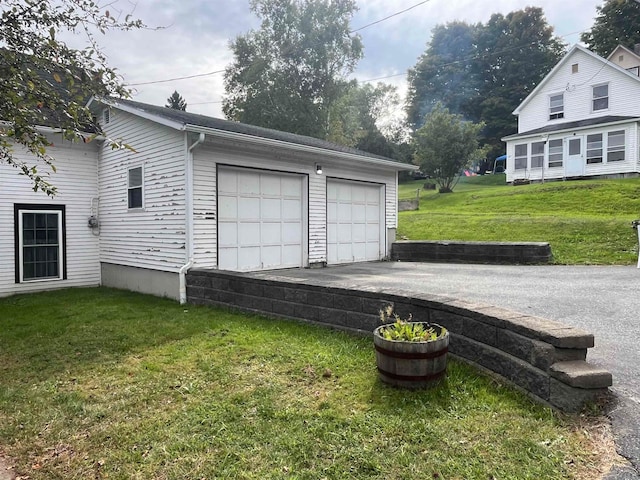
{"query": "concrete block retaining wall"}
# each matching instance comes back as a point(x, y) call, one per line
point(546, 359)
point(471, 252)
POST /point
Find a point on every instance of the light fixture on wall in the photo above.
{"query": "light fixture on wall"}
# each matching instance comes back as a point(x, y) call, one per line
point(318, 169)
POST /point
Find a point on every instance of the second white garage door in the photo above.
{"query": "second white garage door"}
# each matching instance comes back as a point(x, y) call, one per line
point(355, 222)
point(260, 220)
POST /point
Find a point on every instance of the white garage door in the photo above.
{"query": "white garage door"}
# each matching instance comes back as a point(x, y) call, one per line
point(354, 222)
point(260, 220)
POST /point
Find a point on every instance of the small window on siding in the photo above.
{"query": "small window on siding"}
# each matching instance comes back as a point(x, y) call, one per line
point(600, 97)
point(615, 146)
point(135, 189)
point(621, 58)
point(106, 116)
point(537, 154)
point(594, 148)
point(555, 153)
point(520, 157)
point(556, 106)
point(574, 68)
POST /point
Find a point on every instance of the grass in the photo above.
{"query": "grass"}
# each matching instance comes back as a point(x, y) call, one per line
point(585, 222)
point(100, 383)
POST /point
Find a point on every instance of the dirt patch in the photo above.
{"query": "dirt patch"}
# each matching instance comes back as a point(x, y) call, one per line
point(6, 469)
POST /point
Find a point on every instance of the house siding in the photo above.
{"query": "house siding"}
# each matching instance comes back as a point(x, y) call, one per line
point(624, 93)
point(76, 182)
point(152, 237)
point(212, 154)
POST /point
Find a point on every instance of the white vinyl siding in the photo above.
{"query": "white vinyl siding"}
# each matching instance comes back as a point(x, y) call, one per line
point(76, 182)
point(623, 93)
point(152, 237)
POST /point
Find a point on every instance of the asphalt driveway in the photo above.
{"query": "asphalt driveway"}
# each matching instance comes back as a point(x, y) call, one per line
point(601, 300)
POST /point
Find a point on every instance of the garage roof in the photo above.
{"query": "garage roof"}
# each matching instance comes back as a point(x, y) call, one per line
point(191, 121)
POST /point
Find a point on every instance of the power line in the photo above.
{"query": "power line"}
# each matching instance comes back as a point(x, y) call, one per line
point(391, 16)
point(174, 79)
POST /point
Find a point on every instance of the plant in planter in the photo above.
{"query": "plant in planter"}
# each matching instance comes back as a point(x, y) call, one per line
point(410, 354)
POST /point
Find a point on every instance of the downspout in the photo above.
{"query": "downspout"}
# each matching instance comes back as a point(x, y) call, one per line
point(188, 218)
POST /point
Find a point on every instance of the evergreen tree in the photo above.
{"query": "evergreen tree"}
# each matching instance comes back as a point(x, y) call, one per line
point(176, 101)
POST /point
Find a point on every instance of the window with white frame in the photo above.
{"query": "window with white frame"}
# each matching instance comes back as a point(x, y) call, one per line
point(40, 242)
point(555, 153)
point(615, 146)
point(520, 157)
point(135, 188)
point(594, 148)
point(600, 97)
point(556, 106)
point(537, 154)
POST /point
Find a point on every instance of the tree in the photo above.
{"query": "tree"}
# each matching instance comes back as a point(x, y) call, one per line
point(617, 23)
point(46, 83)
point(443, 73)
point(484, 71)
point(176, 101)
point(445, 145)
point(354, 117)
point(289, 73)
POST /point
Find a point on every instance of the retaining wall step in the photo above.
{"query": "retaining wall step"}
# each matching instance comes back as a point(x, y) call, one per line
point(581, 374)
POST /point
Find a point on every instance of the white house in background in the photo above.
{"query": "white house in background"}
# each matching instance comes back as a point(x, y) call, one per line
point(196, 192)
point(582, 120)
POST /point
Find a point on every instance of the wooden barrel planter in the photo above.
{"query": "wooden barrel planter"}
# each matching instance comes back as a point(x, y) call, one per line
point(411, 364)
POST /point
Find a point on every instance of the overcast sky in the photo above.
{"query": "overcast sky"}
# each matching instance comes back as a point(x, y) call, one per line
point(196, 38)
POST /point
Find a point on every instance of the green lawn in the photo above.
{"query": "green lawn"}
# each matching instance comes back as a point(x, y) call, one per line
point(100, 383)
point(585, 221)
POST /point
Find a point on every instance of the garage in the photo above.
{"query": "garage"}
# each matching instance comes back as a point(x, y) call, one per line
point(355, 221)
point(261, 222)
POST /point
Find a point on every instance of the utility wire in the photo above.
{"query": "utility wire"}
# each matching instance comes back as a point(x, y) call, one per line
point(174, 79)
point(391, 16)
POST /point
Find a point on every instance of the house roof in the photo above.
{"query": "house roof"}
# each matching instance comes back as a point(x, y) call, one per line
point(624, 49)
point(197, 123)
point(563, 61)
point(574, 125)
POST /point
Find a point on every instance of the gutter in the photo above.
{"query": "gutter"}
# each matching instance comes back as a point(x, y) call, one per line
point(188, 194)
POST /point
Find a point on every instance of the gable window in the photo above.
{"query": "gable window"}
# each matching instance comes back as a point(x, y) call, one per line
point(615, 146)
point(40, 242)
point(600, 97)
point(556, 106)
point(520, 157)
point(537, 154)
point(574, 68)
point(555, 153)
point(135, 188)
point(594, 148)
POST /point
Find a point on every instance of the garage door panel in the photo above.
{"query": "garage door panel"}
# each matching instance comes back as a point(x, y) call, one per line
point(292, 209)
point(227, 182)
point(228, 233)
point(248, 183)
point(271, 234)
point(248, 208)
point(228, 207)
point(354, 229)
point(261, 222)
point(248, 234)
point(270, 208)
